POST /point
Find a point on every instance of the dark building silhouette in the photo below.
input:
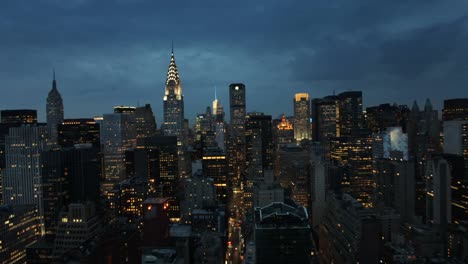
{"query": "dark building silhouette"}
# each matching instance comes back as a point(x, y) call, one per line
point(156, 222)
point(78, 131)
point(455, 109)
point(379, 118)
point(145, 121)
point(69, 175)
point(324, 118)
point(19, 116)
point(350, 115)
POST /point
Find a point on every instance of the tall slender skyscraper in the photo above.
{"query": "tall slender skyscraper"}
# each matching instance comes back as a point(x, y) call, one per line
point(237, 132)
point(54, 105)
point(54, 110)
point(302, 128)
point(173, 104)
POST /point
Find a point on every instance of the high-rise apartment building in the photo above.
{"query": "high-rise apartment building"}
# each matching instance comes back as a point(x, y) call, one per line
point(302, 124)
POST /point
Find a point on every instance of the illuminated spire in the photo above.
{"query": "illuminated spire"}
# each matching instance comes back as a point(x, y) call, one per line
point(172, 78)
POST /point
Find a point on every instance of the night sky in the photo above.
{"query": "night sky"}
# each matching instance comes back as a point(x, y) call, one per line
point(109, 53)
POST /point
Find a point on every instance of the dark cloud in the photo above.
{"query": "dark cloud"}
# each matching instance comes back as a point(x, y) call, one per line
point(117, 52)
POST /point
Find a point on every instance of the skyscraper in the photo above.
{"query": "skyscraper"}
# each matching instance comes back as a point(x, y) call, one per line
point(145, 122)
point(302, 127)
point(54, 110)
point(324, 116)
point(237, 132)
point(349, 115)
point(118, 134)
point(173, 104)
point(455, 109)
point(21, 183)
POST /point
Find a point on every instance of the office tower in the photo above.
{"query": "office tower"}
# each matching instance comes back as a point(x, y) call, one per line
point(282, 234)
point(78, 223)
point(173, 104)
point(302, 127)
point(19, 116)
point(236, 151)
point(283, 131)
point(199, 193)
point(456, 139)
point(395, 187)
point(259, 143)
point(22, 178)
point(20, 228)
point(130, 195)
point(204, 128)
point(54, 110)
point(349, 232)
point(68, 175)
point(459, 188)
point(361, 180)
point(259, 151)
point(324, 116)
point(145, 121)
point(118, 134)
point(215, 166)
point(379, 118)
point(455, 109)
point(12, 118)
point(438, 198)
point(162, 168)
point(79, 131)
point(349, 114)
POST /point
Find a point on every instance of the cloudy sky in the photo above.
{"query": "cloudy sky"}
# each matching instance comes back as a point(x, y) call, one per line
point(109, 53)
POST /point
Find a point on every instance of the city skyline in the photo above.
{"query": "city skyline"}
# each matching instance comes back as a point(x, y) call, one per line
point(122, 56)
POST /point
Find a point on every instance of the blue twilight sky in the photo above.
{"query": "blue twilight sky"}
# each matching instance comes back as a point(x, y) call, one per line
point(109, 53)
